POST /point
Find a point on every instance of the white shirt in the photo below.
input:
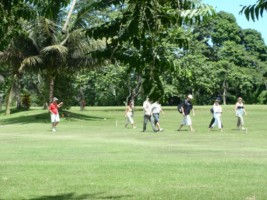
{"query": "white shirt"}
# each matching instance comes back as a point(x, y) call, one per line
point(147, 108)
point(217, 109)
point(156, 108)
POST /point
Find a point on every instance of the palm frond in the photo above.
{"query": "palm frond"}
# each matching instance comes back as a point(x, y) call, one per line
point(31, 62)
point(57, 50)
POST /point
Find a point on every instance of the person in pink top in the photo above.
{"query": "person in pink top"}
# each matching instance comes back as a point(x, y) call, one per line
point(53, 108)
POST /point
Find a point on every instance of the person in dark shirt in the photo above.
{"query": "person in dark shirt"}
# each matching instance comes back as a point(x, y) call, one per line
point(186, 109)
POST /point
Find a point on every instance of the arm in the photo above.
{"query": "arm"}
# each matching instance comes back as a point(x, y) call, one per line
point(182, 108)
point(126, 110)
point(235, 107)
point(49, 108)
point(245, 111)
point(59, 105)
point(161, 110)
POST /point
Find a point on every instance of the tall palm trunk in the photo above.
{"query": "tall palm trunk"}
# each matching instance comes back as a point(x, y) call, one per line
point(17, 94)
point(1, 99)
point(51, 88)
point(10, 95)
point(82, 99)
point(69, 15)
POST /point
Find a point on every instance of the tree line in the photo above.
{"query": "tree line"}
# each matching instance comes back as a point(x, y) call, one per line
point(108, 52)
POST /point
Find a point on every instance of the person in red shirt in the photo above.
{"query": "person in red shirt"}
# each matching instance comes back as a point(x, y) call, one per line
point(53, 108)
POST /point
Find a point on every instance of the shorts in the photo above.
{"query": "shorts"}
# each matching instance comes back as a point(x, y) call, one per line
point(156, 117)
point(186, 121)
point(130, 117)
point(55, 118)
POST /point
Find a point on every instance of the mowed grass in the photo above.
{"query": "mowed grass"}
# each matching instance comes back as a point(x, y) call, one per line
point(92, 156)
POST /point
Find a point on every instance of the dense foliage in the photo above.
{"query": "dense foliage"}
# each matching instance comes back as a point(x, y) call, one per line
point(114, 51)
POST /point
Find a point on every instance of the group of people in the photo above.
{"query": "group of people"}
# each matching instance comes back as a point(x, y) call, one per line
point(152, 114)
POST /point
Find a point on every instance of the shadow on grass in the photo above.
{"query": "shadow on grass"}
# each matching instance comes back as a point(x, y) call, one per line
point(69, 196)
point(45, 118)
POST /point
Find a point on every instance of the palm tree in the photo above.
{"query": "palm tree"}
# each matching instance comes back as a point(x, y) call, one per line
point(49, 50)
point(256, 10)
point(18, 54)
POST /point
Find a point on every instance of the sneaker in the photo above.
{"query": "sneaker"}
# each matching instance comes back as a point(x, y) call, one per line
point(53, 130)
point(161, 129)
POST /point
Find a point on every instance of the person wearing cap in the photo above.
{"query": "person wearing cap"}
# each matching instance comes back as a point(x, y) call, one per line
point(186, 108)
point(217, 114)
point(53, 109)
point(240, 111)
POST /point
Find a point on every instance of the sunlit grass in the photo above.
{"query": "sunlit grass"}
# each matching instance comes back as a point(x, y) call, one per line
point(92, 156)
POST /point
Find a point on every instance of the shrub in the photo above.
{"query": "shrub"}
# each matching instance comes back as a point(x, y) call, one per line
point(262, 98)
point(26, 101)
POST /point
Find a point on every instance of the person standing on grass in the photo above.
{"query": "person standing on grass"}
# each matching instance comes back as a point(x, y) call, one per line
point(186, 108)
point(240, 111)
point(53, 108)
point(213, 119)
point(156, 110)
point(129, 115)
point(147, 114)
point(217, 114)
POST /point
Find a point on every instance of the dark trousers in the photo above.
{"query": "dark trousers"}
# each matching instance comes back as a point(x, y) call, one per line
point(212, 121)
point(148, 118)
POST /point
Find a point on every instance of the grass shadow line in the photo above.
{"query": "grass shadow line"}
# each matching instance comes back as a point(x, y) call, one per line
point(45, 118)
point(69, 196)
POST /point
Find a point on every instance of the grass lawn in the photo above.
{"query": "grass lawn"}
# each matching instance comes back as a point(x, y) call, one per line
point(89, 157)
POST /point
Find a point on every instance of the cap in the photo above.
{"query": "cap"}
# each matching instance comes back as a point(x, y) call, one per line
point(218, 99)
point(55, 99)
point(190, 96)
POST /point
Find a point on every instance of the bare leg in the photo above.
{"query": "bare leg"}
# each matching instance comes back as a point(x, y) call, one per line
point(180, 127)
point(238, 122)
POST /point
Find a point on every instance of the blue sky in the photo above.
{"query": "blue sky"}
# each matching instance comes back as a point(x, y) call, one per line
point(234, 7)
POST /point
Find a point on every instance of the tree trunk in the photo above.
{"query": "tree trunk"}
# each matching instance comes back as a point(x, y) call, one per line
point(17, 94)
point(51, 88)
point(82, 100)
point(224, 92)
point(1, 99)
point(10, 96)
point(69, 16)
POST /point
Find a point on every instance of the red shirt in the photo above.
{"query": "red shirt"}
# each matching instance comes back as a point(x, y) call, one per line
point(53, 108)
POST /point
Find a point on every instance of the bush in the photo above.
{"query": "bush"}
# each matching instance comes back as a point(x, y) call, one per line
point(262, 98)
point(26, 101)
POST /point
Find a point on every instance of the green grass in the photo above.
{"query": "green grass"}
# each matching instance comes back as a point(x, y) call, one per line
point(90, 158)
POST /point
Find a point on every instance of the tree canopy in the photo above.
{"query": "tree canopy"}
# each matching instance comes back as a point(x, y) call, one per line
point(108, 52)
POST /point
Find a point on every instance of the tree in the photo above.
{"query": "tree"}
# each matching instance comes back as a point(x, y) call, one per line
point(136, 37)
point(256, 10)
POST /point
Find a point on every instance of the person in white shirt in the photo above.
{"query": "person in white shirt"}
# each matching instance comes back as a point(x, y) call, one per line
point(156, 109)
point(129, 115)
point(240, 111)
point(217, 114)
point(147, 114)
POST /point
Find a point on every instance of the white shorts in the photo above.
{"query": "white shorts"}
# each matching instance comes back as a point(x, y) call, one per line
point(55, 118)
point(186, 121)
point(130, 117)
